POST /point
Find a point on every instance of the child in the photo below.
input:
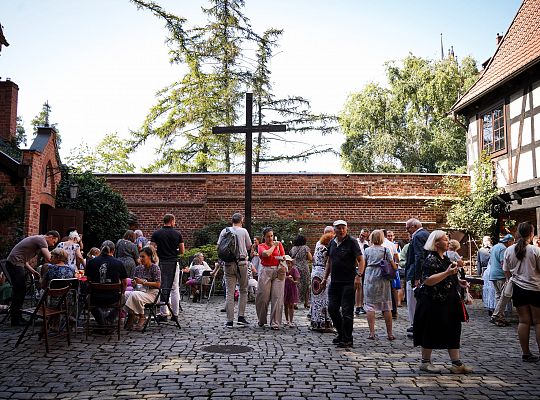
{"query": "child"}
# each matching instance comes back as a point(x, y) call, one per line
point(290, 297)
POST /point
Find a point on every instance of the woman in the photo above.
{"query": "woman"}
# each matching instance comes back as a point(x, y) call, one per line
point(254, 255)
point(146, 279)
point(73, 249)
point(271, 281)
point(302, 255)
point(439, 310)
point(57, 269)
point(127, 252)
point(320, 319)
point(522, 267)
point(378, 290)
point(196, 269)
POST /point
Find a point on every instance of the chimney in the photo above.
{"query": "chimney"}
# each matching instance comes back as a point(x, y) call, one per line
point(9, 93)
point(499, 38)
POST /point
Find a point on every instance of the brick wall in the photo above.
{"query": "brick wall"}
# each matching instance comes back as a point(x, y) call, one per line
point(314, 200)
point(12, 190)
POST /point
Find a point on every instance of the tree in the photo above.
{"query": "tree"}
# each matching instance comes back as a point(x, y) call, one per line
point(219, 69)
point(111, 155)
point(20, 135)
point(404, 126)
point(105, 212)
point(294, 111)
point(42, 119)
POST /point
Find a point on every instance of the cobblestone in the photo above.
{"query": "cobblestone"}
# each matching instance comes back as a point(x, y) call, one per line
point(294, 363)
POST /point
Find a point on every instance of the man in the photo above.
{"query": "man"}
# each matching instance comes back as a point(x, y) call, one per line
point(237, 271)
point(483, 255)
point(363, 242)
point(496, 275)
point(344, 256)
point(106, 269)
point(169, 244)
point(18, 259)
point(414, 264)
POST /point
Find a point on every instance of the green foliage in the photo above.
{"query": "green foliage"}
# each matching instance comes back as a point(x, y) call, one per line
point(111, 155)
point(217, 67)
point(285, 230)
point(403, 126)
point(11, 214)
point(20, 136)
point(209, 251)
point(105, 212)
point(471, 211)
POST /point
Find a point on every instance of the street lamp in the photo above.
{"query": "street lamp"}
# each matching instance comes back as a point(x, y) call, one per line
point(73, 191)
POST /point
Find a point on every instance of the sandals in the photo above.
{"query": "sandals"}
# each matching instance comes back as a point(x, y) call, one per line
point(140, 325)
point(391, 337)
point(372, 337)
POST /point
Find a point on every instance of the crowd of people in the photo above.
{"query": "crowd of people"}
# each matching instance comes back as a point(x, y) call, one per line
point(371, 274)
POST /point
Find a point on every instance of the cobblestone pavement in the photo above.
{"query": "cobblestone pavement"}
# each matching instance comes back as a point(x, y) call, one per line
point(292, 363)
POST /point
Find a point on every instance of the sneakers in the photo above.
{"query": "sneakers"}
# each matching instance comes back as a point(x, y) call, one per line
point(229, 324)
point(242, 321)
point(429, 367)
point(460, 369)
point(410, 329)
point(530, 358)
point(360, 310)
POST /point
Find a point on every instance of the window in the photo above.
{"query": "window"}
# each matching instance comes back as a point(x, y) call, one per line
point(492, 131)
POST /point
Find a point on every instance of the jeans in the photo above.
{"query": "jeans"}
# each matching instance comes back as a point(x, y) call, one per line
point(169, 280)
point(18, 282)
point(341, 308)
point(235, 273)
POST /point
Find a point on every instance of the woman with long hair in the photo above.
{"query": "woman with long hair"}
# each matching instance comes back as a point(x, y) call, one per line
point(522, 269)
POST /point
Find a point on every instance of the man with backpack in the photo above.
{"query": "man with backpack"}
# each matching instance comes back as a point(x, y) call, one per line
point(233, 245)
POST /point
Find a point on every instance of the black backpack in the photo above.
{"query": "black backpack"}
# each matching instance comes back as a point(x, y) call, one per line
point(228, 247)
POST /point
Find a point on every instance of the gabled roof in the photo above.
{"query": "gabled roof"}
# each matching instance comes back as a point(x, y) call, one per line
point(518, 50)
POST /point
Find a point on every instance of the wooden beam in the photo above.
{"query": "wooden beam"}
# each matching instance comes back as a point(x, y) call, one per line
point(533, 149)
point(520, 133)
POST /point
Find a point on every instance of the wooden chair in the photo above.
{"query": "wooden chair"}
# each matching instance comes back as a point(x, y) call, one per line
point(103, 288)
point(153, 308)
point(72, 300)
point(52, 303)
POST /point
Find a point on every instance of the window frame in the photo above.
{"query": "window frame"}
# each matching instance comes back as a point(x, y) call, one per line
point(480, 118)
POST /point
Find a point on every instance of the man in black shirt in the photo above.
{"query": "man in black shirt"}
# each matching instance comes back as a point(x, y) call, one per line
point(105, 269)
point(169, 245)
point(344, 256)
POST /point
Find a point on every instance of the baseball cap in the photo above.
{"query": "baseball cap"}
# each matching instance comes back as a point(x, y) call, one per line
point(506, 238)
point(340, 222)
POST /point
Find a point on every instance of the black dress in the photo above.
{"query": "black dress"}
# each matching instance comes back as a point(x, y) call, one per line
point(437, 319)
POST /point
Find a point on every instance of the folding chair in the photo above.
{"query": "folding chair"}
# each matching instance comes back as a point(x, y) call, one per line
point(73, 284)
point(103, 288)
point(4, 271)
point(153, 308)
point(207, 277)
point(46, 309)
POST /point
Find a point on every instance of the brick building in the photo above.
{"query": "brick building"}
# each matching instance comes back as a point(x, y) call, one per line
point(28, 177)
point(314, 200)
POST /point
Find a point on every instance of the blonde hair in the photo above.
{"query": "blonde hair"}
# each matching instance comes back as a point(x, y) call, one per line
point(377, 237)
point(434, 237)
point(454, 245)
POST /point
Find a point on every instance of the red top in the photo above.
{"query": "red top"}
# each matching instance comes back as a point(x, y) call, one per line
point(270, 261)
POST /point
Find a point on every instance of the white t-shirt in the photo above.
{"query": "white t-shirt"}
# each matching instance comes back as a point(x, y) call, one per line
point(391, 248)
point(526, 272)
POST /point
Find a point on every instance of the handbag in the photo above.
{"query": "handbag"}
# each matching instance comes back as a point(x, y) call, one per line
point(508, 290)
point(396, 282)
point(387, 271)
point(464, 315)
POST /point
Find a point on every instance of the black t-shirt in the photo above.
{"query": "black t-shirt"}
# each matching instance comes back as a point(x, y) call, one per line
point(105, 269)
point(167, 240)
point(343, 258)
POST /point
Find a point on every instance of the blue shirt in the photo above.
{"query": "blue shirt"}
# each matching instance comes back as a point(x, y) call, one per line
point(496, 262)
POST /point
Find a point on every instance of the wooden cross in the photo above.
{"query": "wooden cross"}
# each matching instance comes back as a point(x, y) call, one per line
point(248, 129)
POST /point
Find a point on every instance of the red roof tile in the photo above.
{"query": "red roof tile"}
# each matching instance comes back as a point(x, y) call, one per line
point(518, 50)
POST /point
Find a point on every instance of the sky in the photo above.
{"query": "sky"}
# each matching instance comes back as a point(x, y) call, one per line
point(99, 63)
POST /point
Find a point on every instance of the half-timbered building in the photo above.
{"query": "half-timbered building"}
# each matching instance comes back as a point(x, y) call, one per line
point(502, 110)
